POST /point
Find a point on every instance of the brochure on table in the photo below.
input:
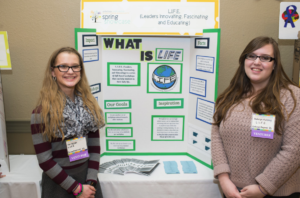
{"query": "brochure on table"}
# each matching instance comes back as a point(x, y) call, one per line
point(157, 93)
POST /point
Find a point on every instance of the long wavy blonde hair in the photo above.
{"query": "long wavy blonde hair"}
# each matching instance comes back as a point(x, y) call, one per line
point(52, 99)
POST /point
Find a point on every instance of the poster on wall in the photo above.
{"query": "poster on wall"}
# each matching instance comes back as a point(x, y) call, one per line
point(5, 62)
point(289, 23)
point(183, 18)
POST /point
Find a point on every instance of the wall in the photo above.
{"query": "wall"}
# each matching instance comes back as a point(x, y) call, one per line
point(37, 27)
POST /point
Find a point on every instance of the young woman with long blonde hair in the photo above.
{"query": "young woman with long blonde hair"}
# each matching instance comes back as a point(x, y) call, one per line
point(67, 115)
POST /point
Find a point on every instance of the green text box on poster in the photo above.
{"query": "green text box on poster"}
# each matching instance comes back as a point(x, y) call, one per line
point(118, 131)
point(167, 128)
point(123, 74)
point(120, 145)
point(170, 103)
point(118, 118)
point(117, 104)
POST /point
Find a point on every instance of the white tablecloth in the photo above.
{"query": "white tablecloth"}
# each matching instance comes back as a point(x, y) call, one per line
point(24, 178)
point(159, 184)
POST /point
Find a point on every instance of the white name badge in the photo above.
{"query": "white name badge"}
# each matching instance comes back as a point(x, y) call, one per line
point(77, 148)
point(262, 125)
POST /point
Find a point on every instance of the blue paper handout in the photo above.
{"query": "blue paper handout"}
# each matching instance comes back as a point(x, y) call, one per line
point(171, 167)
point(188, 167)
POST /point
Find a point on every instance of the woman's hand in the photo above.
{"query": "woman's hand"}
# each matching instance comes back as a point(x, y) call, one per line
point(253, 191)
point(229, 189)
point(88, 192)
point(2, 175)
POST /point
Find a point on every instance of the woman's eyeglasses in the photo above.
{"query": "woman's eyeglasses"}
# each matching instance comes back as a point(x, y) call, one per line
point(263, 58)
point(64, 68)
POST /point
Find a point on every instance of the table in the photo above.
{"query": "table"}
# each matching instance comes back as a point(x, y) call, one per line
point(159, 184)
point(24, 178)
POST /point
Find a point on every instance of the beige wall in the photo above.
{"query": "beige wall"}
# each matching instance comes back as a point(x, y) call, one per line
point(37, 27)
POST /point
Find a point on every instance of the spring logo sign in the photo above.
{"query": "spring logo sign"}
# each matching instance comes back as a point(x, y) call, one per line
point(290, 16)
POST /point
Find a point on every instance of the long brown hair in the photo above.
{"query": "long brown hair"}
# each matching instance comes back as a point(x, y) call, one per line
point(52, 100)
point(268, 99)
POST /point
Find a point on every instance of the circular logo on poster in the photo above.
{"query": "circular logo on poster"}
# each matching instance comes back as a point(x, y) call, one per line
point(164, 77)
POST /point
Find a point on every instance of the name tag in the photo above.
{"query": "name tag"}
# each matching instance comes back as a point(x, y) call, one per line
point(77, 149)
point(262, 126)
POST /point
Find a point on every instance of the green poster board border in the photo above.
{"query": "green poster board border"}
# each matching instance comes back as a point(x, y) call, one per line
point(168, 49)
point(167, 116)
point(106, 133)
point(117, 122)
point(120, 149)
point(218, 31)
point(77, 30)
point(163, 92)
point(117, 101)
point(167, 99)
point(120, 63)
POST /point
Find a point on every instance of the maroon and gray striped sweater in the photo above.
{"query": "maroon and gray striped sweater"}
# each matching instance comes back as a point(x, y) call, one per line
point(54, 160)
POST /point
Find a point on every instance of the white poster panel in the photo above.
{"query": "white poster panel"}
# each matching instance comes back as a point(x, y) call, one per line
point(142, 101)
point(150, 18)
point(148, 106)
point(289, 23)
point(203, 86)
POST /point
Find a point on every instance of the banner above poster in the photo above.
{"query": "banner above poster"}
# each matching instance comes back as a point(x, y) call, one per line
point(134, 17)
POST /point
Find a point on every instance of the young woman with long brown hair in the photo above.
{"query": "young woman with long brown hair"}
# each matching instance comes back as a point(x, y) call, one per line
point(67, 115)
point(256, 130)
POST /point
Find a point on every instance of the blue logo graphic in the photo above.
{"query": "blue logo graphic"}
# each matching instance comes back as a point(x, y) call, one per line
point(290, 16)
point(164, 77)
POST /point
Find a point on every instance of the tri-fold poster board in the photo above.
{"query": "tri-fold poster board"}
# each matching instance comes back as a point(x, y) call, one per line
point(157, 91)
